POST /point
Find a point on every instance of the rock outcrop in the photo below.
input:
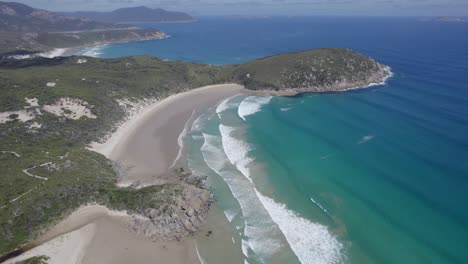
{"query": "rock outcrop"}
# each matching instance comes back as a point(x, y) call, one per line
point(179, 218)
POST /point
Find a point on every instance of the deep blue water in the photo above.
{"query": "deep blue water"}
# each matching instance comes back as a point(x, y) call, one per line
point(378, 175)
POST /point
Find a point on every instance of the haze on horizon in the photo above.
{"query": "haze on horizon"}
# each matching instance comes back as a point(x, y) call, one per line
point(271, 7)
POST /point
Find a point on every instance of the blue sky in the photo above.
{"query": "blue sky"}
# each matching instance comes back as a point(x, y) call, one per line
point(273, 7)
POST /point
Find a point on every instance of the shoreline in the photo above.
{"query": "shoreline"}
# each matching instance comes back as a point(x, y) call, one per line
point(146, 147)
point(291, 92)
point(71, 51)
point(80, 235)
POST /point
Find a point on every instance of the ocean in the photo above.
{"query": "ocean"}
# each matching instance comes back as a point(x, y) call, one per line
point(377, 175)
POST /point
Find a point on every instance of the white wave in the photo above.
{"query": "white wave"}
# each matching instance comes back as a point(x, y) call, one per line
point(198, 124)
point(226, 105)
point(180, 140)
point(200, 258)
point(364, 139)
point(311, 242)
point(285, 109)
point(236, 150)
point(259, 230)
point(94, 51)
point(251, 105)
point(230, 215)
point(390, 74)
point(319, 206)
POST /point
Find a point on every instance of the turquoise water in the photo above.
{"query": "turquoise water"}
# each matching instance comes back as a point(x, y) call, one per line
point(368, 176)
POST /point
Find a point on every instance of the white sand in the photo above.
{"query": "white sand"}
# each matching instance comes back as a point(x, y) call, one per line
point(54, 53)
point(64, 249)
point(95, 234)
point(34, 125)
point(142, 111)
point(71, 108)
point(67, 241)
point(32, 102)
point(23, 116)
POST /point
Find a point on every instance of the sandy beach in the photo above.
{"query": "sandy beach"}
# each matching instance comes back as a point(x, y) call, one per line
point(146, 146)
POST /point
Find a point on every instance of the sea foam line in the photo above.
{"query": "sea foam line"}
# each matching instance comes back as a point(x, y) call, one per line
point(252, 105)
point(94, 51)
point(311, 242)
point(226, 105)
point(259, 229)
point(319, 206)
point(383, 82)
point(180, 139)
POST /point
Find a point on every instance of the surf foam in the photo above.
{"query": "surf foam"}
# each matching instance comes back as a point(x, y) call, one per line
point(226, 105)
point(319, 206)
point(260, 230)
point(252, 105)
point(236, 150)
point(311, 242)
point(364, 139)
point(95, 52)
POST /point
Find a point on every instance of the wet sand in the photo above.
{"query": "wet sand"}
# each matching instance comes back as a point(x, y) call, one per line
point(146, 147)
point(151, 146)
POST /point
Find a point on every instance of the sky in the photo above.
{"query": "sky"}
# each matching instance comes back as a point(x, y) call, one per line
point(271, 7)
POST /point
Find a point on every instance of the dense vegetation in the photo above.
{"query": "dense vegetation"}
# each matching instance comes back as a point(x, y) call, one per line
point(319, 70)
point(47, 171)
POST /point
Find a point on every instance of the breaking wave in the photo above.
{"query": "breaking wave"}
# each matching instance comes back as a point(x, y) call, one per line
point(95, 52)
point(311, 242)
point(251, 105)
point(226, 104)
point(258, 226)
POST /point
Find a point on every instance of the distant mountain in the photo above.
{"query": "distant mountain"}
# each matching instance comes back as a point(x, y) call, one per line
point(25, 28)
point(16, 17)
point(134, 14)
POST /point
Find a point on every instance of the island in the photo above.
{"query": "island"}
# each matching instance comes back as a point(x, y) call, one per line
point(64, 122)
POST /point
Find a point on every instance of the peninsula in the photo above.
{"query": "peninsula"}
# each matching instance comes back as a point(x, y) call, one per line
point(76, 143)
